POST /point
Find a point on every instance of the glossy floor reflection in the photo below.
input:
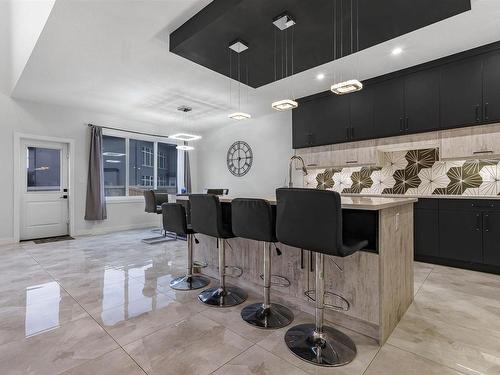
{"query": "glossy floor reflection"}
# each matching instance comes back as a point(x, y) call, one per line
point(102, 305)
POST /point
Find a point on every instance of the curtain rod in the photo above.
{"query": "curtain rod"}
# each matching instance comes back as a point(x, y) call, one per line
point(129, 131)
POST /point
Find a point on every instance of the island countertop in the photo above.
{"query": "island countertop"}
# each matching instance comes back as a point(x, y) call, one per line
point(351, 203)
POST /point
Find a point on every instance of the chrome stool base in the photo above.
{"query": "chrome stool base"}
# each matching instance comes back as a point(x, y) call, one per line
point(275, 316)
point(189, 282)
point(217, 297)
point(332, 348)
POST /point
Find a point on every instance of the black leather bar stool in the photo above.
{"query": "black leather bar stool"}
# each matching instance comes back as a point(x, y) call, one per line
point(154, 200)
point(175, 221)
point(208, 217)
point(255, 219)
point(312, 220)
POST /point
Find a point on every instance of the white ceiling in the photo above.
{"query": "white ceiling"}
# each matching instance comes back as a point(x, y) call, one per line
point(113, 56)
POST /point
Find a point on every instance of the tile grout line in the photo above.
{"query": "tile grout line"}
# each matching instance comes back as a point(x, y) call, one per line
point(90, 315)
point(421, 285)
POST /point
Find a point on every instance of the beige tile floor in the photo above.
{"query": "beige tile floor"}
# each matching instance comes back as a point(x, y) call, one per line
point(101, 305)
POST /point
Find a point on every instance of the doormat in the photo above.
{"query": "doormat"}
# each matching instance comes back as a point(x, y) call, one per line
point(53, 239)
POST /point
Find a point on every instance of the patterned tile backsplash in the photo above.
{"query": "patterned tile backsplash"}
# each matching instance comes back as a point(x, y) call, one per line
point(414, 172)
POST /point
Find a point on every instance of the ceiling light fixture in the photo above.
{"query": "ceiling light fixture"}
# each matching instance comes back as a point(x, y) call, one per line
point(320, 76)
point(238, 46)
point(346, 87)
point(114, 154)
point(185, 148)
point(351, 85)
point(283, 22)
point(397, 51)
point(185, 137)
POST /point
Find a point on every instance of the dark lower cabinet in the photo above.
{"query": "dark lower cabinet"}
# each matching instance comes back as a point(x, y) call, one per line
point(458, 232)
point(460, 235)
point(491, 238)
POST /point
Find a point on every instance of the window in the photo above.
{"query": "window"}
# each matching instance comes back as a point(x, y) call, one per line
point(43, 169)
point(134, 165)
point(114, 166)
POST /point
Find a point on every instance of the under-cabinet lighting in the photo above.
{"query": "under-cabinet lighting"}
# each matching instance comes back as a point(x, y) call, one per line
point(185, 137)
point(347, 87)
point(285, 105)
point(240, 116)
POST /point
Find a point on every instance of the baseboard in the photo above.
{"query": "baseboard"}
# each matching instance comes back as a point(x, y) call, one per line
point(488, 268)
point(119, 228)
point(7, 241)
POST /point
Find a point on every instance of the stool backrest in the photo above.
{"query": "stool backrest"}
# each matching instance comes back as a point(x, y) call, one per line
point(254, 219)
point(309, 219)
point(153, 199)
point(206, 214)
point(174, 218)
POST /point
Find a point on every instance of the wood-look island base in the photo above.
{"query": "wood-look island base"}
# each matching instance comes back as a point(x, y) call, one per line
point(378, 283)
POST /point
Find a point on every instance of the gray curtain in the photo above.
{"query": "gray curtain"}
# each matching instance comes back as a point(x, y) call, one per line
point(95, 208)
point(187, 171)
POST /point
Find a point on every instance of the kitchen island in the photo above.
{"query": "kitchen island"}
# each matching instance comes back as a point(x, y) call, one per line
point(377, 282)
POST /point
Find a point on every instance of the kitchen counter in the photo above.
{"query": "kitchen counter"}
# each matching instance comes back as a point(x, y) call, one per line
point(434, 196)
point(377, 281)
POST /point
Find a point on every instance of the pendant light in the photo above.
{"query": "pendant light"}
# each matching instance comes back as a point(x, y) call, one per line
point(283, 22)
point(351, 85)
point(237, 46)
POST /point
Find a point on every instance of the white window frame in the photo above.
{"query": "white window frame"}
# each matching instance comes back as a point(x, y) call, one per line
point(155, 140)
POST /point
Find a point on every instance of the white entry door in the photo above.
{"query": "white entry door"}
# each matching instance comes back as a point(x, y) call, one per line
point(44, 195)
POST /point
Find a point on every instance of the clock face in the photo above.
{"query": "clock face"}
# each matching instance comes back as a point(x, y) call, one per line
point(239, 158)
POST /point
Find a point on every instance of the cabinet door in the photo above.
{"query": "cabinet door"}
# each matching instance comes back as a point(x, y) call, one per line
point(460, 235)
point(302, 117)
point(388, 108)
point(491, 246)
point(426, 232)
point(461, 93)
point(331, 120)
point(361, 110)
point(491, 87)
point(422, 101)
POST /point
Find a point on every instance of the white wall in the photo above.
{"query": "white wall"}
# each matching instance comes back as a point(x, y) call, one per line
point(270, 138)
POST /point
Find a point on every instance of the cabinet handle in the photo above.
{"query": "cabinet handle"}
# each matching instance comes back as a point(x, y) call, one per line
point(351, 162)
point(486, 117)
point(407, 123)
point(352, 133)
point(486, 226)
point(401, 124)
point(309, 138)
point(483, 152)
point(477, 113)
point(347, 133)
point(478, 222)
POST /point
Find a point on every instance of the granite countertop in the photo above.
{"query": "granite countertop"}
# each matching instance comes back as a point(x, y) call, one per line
point(348, 202)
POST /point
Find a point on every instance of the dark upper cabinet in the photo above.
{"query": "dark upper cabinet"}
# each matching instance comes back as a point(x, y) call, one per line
point(301, 125)
point(422, 101)
point(460, 235)
point(491, 247)
point(361, 111)
point(388, 108)
point(332, 122)
point(491, 87)
point(461, 94)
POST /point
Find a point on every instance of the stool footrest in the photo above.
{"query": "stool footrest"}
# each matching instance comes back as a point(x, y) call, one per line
point(234, 268)
point(343, 304)
point(200, 264)
point(278, 280)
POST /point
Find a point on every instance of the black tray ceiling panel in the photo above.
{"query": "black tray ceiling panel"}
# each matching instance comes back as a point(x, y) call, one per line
point(205, 38)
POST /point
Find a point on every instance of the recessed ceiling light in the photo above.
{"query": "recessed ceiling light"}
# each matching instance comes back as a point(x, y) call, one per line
point(397, 51)
point(185, 137)
point(346, 87)
point(184, 148)
point(285, 105)
point(320, 76)
point(239, 116)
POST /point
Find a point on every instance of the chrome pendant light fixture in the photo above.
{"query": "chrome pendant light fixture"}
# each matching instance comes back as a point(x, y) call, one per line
point(238, 47)
point(351, 85)
point(282, 23)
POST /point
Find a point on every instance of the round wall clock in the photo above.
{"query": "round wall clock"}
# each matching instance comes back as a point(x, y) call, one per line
point(239, 158)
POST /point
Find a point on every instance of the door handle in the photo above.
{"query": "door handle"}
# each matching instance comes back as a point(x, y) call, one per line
point(486, 226)
point(64, 197)
point(478, 222)
point(477, 113)
point(486, 117)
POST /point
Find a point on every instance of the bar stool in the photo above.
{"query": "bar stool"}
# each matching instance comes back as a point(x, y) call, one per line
point(255, 219)
point(312, 220)
point(175, 221)
point(208, 217)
